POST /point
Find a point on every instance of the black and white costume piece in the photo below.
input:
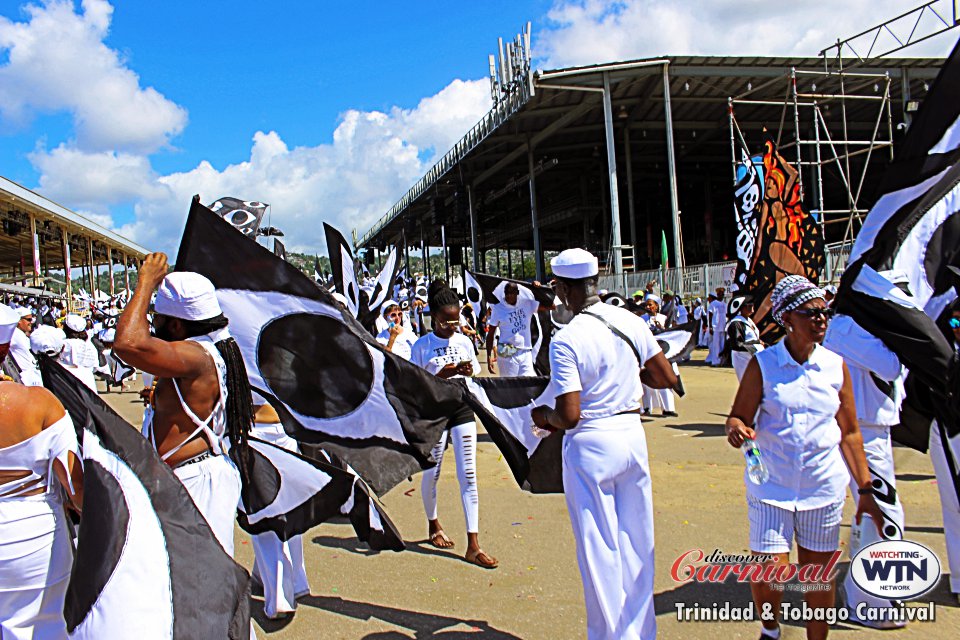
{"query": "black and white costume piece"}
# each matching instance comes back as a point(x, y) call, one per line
point(743, 341)
point(913, 228)
point(147, 563)
point(606, 476)
point(662, 398)
point(876, 378)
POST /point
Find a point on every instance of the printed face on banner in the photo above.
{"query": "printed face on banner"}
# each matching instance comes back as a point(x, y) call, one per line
point(242, 214)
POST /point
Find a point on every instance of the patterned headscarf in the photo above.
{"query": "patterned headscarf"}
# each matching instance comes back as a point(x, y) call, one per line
point(790, 293)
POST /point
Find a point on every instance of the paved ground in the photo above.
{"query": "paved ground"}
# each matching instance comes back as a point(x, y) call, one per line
point(698, 501)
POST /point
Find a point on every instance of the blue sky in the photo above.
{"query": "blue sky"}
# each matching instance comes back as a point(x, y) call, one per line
point(329, 111)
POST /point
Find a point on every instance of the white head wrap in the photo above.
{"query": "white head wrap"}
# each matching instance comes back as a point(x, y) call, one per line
point(188, 296)
point(47, 339)
point(574, 264)
point(8, 323)
point(655, 298)
point(74, 322)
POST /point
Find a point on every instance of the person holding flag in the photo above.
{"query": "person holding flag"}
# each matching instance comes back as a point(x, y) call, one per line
point(200, 372)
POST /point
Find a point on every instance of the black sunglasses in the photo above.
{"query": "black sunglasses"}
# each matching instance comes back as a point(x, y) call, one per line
point(815, 314)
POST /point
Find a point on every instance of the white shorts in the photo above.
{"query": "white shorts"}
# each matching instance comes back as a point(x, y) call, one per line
point(772, 529)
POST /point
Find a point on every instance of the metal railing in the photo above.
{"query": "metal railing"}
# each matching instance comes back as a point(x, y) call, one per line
point(699, 280)
point(487, 125)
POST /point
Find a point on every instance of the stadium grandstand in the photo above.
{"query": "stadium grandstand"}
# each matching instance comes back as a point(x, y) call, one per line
point(628, 158)
point(40, 236)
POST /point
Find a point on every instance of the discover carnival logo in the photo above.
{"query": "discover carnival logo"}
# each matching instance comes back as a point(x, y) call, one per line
point(895, 569)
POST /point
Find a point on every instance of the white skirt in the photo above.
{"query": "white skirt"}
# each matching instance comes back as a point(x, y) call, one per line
point(36, 557)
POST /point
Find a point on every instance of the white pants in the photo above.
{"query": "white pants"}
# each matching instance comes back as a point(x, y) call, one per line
point(520, 364)
point(35, 563)
point(740, 360)
point(465, 449)
point(879, 453)
point(279, 565)
point(663, 398)
point(214, 485)
point(716, 347)
point(606, 480)
point(949, 505)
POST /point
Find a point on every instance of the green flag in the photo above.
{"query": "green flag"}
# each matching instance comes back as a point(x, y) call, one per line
point(664, 256)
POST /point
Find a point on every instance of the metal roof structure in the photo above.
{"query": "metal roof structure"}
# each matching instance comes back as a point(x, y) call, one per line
point(39, 235)
point(557, 133)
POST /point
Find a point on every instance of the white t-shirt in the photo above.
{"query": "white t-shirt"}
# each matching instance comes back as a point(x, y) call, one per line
point(433, 353)
point(402, 346)
point(586, 356)
point(514, 320)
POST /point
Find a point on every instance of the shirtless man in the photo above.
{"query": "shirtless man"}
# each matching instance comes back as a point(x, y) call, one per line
point(195, 361)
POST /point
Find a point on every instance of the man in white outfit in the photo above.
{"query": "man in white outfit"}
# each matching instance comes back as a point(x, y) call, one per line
point(20, 349)
point(717, 318)
point(513, 315)
point(743, 337)
point(598, 361)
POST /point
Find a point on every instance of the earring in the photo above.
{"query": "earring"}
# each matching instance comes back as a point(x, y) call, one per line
point(789, 329)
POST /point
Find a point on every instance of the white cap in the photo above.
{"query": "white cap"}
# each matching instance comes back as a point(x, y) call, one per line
point(575, 264)
point(188, 296)
point(8, 323)
point(47, 339)
point(74, 322)
point(25, 311)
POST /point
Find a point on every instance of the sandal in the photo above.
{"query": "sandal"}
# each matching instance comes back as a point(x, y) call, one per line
point(440, 540)
point(481, 559)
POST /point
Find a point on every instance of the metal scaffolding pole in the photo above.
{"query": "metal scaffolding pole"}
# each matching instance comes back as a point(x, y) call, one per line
point(612, 174)
point(537, 248)
point(65, 248)
point(473, 230)
point(672, 168)
point(35, 250)
point(631, 212)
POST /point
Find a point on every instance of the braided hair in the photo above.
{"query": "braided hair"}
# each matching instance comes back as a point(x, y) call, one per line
point(445, 297)
point(239, 409)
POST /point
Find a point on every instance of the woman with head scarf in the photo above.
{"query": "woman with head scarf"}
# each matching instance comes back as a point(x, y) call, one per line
point(796, 402)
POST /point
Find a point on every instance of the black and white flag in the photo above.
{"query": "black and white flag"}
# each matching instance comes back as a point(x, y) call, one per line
point(147, 564)
point(383, 287)
point(503, 406)
point(342, 264)
point(245, 215)
point(329, 380)
point(679, 341)
point(288, 494)
point(914, 229)
point(279, 250)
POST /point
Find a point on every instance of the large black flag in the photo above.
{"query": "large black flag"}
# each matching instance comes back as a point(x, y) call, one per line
point(328, 379)
point(914, 228)
point(243, 214)
point(147, 564)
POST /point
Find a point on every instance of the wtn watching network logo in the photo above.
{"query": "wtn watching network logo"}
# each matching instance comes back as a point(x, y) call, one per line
point(895, 569)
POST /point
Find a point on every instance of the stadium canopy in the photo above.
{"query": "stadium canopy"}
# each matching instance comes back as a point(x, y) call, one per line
point(40, 236)
point(671, 123)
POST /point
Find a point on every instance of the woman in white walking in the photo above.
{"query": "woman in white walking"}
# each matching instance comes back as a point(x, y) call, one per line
point(806, 429)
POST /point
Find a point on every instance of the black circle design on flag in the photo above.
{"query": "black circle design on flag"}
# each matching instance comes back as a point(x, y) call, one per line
point(352, 293)
point(735, 305)
point(105, 531)
point(298, 364)
point(473, 295)
point(239, 217)
point(664, 346)
point(943, 250)
point(266, 488)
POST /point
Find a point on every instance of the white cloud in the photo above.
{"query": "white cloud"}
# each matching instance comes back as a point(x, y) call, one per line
point(57, 61)
point(582, 32)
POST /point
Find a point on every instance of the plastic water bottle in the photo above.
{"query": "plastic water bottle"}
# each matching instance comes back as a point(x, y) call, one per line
point(756, 471)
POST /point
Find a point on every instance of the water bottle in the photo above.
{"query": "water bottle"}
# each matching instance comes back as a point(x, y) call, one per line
point(756, 471)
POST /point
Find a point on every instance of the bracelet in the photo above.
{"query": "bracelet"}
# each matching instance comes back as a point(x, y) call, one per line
point(865, 490)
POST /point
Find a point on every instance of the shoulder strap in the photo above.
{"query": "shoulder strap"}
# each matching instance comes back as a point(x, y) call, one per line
point(618, 333)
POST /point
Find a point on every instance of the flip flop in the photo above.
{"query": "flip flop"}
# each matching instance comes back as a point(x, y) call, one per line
point(439, 538)
point(482, 560)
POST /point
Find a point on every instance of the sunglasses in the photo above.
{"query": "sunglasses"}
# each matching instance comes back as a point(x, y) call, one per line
point(955, 323)
point(449, 323)
point(815, 314)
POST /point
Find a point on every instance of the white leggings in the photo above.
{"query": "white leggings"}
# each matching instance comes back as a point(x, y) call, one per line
point(465, 449)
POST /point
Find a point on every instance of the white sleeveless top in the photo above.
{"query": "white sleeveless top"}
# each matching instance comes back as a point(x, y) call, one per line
point(797, 430)
point(214, 427)
point(36, 455)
